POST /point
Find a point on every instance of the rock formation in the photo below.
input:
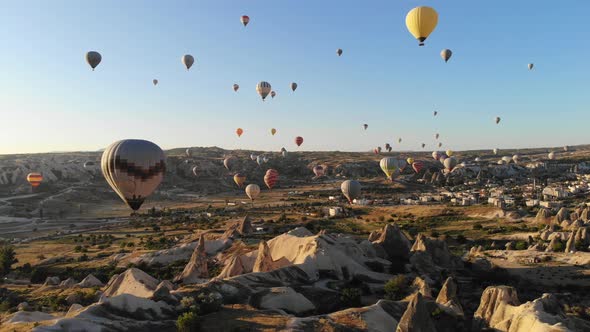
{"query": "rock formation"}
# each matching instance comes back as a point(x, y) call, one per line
point(416, 317)
point(394, 242)
point(543, 216)
point(570, 245)
point(90, 281)
point(447, 298)
point(196, 269)
point(245, 226)
point(133, 281)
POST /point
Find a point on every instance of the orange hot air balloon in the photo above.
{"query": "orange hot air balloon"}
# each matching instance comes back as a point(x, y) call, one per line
point(239, 131)
point(273, 131)
point(270, 178)
point(239, 179)
point(298, 140)
point(35, 179)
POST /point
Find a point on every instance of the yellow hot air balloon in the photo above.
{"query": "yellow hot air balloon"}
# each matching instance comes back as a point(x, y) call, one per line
point(421, 21)
point(273, 131)
point(239, 179)
point(410, 160)
point(449, 153)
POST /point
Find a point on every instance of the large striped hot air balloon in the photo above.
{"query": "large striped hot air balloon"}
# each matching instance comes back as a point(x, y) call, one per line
point(35, 179)
point(351, 189)
point(417, 166)
point(270, 178)
point(245, 19)
point(239, 179)
point(263, 88)
point(421, 21)
point(319, 171)
point(298, 140)
point(252, 190)
point(239, 132)
point(134, 169)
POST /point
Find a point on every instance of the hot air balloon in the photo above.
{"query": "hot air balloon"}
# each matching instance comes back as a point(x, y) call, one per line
point(551, 155)
point(389, 148)
point(318, 171)
point(245, 19)
point(253, 157)
point(379, 149)
point(236, 87)
point(446, 54)
point(239, 179)
point(410, 160)
point(566, 148)
point(376, 151)
point(189, 152)
point(93, 58)
point(134, 169)
point(440, 144)
point(239, 132)
point(515, 158)
point(293, 86)
point(417, 166)
point(450, 153)
point(365, 126)
point(450, 164)
point(260, 160)
point(421, 21)
point(298, 140)
point(339, 52)
point(252, 190)
point(436, 155)
point(496, 151)
point(477, 159)
point(442, 158)
point(273, 94)
point(196, 171)
point(263, 88)
point(273, 131)
point(497, 120)
point(423, 145)
point(270, 178)
point(284, 153)
point(187, 60)
point(436, 136)
point(155, 82)
point(435, 113)
point(35, 179)
point(351, 189)
point(399, 140)
point(229, 162)
point(389, 165)
point(530, 65)
point(507, 159)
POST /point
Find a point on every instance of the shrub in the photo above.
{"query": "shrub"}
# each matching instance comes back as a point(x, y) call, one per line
point(461, 239)
point(520, 245)
point(434, 234)
point(477, 226)
point(395, 288)
point(7, 258)
point(188, 322)
point(558, 246)
point(351, 297)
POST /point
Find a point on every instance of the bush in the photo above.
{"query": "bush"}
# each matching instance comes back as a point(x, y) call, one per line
point(461, 239)
point(351, 297)
point(188, 322)
point(7, 258)
point(434, 234)
point(558, 246)
point(520, 245)
point(477, 226)
point(208, 303)
point(395, 288)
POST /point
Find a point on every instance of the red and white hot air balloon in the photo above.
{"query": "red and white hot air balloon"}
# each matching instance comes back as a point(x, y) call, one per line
point(270, 178)
point(35, 179)
point(417, 166)
point(245, 19)
point(319, 171)
point(298, 140)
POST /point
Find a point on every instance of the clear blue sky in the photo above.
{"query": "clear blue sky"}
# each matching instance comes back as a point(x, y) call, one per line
point(50, 100)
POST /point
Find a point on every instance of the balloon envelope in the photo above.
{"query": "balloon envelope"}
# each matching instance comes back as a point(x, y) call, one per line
point(93, 58)
point(318, 171)
point(187, 60)
point(252, 190)
point(351, 189)
point(134, 169)
point(298, 140)
point(236, 87)
point(245, 20)
point(239, 179)
point(34, 179)
point(263, 89)
point(229, 162)
point(270, 178)
point(446, 54)
point(421, 21)
point(239, 132)
point(339, 52)
point(293, 86)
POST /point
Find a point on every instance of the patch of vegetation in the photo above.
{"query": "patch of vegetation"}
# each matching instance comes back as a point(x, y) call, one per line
point(558, 246)
point(188, 322)
point(351, 297)
point(396, 288)
point(520, 245)
point(7, 258)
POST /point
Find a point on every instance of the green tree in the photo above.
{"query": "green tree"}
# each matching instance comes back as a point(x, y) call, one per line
point(7, 258)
